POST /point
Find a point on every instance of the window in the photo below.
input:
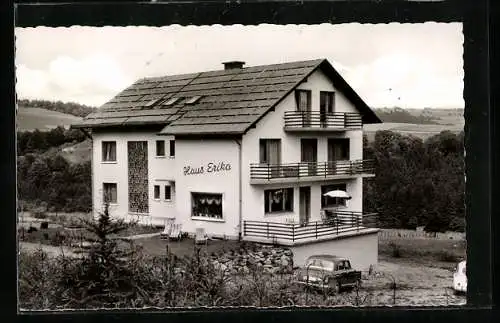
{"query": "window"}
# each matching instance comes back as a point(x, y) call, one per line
point(327, 201)
point(160, 148)
point(206, 205)
point(172, 148)
point(279, 200)
point(151, 103)
point(343, 265)
point(193, 100)
point(157, 192)
point(270, 151)
point(303, 100)
point(109, 151)
point(320, 264)
point(326, 102)
point(170, 101)
point(338, 149)
point(109, 193)
point(168, 193)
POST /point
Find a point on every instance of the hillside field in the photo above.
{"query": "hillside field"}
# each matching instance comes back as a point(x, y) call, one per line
point(422, 131)
point(29, 119)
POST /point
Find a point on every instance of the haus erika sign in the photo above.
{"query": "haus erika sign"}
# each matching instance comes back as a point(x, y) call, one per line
point(208, 168)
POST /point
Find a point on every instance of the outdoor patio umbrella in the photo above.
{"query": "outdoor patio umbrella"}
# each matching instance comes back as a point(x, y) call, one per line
point(338, 194)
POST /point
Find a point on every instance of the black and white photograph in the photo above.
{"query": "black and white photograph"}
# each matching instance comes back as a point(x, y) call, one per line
point(240, 166)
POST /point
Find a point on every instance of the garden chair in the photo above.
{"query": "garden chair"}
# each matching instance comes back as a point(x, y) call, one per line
point(167, 231)
point(176, 233)
point(201, 236)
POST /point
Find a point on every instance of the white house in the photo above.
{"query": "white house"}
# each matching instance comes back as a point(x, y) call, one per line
point(245, 153)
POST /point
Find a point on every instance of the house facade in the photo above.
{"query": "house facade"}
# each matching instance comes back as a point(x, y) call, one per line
point(244, 153)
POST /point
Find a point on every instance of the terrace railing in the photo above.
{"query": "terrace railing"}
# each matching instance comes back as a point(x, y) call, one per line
point(307, 169)
point(315, 120)
point(339, 223)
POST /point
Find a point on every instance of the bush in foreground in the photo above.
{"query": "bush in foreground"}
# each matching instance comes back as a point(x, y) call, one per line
point(114, 274)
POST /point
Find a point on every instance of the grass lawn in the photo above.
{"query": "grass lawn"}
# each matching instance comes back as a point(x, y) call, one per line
point(156, 246)
point(442, 253)
point(50, 236)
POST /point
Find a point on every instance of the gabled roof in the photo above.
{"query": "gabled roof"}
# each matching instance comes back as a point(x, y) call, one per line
point(230, 101)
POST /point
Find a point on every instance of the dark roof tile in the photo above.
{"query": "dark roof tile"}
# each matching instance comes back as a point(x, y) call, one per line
point(231, 100)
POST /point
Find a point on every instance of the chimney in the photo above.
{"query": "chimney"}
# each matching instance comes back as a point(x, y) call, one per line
point(233, 65)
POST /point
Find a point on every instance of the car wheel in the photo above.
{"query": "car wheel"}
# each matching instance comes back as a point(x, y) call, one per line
point(334, 286)
point(357, 285)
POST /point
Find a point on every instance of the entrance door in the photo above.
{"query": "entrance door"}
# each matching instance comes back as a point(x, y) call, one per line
point(270, 154)
point(338, 151)
point(303, 98)
point(326, 101)
point(309, 155)
point(305, 205)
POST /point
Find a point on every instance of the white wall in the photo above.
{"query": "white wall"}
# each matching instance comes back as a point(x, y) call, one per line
point(160, 169)
point(271, 127)
point(196, 154)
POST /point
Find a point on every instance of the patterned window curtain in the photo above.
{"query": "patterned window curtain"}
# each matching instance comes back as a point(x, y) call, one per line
point(207, 205)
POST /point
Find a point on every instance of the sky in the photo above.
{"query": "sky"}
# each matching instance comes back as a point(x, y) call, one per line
point(404, 65)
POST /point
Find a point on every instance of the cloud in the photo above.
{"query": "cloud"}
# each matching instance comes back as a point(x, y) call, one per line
point(421, 63)
point(92, 80)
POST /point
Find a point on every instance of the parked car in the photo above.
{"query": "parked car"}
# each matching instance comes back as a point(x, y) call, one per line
point(328, 272)
point(460, 278)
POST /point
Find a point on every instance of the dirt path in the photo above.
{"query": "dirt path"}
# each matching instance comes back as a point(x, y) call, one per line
point(417, 284)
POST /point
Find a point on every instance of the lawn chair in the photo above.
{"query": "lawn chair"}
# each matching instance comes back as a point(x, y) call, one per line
point(167, 231)
point(201, 236)
point(176, 233)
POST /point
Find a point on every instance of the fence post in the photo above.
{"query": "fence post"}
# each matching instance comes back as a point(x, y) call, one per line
point(293, 232)
point(316, 229)
point(267, 229)
point(244, 228)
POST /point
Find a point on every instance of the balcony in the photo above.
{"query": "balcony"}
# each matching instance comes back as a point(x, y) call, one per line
point(315, 121)
point(310, 172)
point(341, 224)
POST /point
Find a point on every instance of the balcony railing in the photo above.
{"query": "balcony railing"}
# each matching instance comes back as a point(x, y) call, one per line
point(318, 121)
point(306, 169)
point(339, 223)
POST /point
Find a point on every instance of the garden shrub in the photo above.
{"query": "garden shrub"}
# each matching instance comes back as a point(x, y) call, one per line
point(39, 214)
point(115, 274)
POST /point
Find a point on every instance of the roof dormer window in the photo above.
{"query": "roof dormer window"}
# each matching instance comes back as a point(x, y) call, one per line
point(194, 99)
point(151, 103)
point(171, 101)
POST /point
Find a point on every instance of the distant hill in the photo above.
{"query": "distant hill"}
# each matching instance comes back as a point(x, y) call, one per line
point(73, 153)
point(45, 115)
point(29, 119)
point(422, 123)
point(422, 131)
point(76, 109)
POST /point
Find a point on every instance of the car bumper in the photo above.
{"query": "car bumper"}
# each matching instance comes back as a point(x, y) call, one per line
point(319, 285)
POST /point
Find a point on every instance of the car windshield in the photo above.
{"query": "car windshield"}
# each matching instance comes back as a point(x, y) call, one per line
point(320, 264)
point(342, 265)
